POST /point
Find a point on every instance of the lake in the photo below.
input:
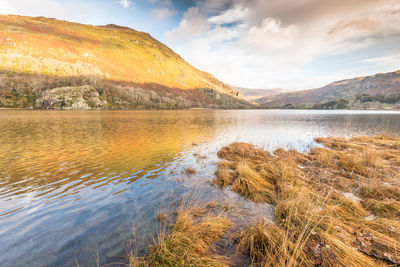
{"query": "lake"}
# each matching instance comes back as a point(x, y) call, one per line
point(76, 185)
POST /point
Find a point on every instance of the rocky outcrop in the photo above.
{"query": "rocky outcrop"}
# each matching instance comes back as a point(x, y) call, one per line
point(83, 97)
point(52, 92)
point(225, 100)
point(211, 93)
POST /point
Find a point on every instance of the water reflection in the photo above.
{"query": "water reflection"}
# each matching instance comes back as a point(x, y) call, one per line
point(74, 184)
point(43, 152)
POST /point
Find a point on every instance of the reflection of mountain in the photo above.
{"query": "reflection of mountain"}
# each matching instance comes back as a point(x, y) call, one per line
point(65, 152)
point(126, 68)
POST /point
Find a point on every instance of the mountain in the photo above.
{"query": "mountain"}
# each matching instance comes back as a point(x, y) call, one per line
point(127, 68)
point(254, 94)
point(380, 91)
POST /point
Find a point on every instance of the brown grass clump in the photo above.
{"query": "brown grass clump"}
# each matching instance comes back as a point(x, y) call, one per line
point(190, 241)
point(162, 217)
point(322, 156)
point(334, 143)
point(292, 154)
point(385, 209)
point(252, 186)
point(380, 192)
point(239, 151)
point(280, 170)
point(336, 205)
point(225, 178)
point(370, 157)
point(268, 244)
point(190, 171)
point(352, 163)
point(225, 173)
point(254, 173)
point(245, 181)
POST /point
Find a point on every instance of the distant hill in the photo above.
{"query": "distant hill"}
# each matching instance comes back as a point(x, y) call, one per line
point(127, 68)
point(380, 91)
point(254, 94)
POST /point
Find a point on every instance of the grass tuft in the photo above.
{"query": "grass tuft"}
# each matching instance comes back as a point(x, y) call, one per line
point(189, 241)
point(323, 202)
point(190, 171)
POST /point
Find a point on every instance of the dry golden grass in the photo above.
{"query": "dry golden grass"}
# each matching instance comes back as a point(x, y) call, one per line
point(384, 209)
point(322, 156)
point(190, 171)
point(349, 162)
point(317, 220)
point(252, 186)
point(380, 192)
point(269, 245)
point(246, 182)
point(370, 157)
point(225, 177)
point(162, 216)
point(240, 151)
point(335, 206)
point(189, 241)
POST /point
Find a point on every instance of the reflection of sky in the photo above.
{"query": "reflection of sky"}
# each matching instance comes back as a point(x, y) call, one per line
point(73, 183)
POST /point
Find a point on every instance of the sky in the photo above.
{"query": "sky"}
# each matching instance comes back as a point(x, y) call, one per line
point(289, 44)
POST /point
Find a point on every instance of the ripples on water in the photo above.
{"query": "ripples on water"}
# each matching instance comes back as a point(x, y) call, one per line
point(75, 184)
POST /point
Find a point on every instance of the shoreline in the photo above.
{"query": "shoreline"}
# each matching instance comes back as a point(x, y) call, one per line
point(335, 205)
point(122, 109)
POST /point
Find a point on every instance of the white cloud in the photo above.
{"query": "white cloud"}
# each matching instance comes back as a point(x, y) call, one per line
point(166, 3)
point(6, 7)
point(163, 10)
point(48, 8)
point(261, 44)
point(162, 13)
point(192, 25)
point(235, 14)
point(391, 60)
point(125, 3)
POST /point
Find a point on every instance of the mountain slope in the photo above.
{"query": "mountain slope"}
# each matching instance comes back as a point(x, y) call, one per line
point(375, 91)
point(254, 94)
point(51, 49)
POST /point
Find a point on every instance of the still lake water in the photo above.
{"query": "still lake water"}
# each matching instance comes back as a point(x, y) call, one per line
point(75, 185)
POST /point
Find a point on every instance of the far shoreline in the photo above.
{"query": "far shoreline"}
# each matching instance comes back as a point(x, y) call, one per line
point(243, 109)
